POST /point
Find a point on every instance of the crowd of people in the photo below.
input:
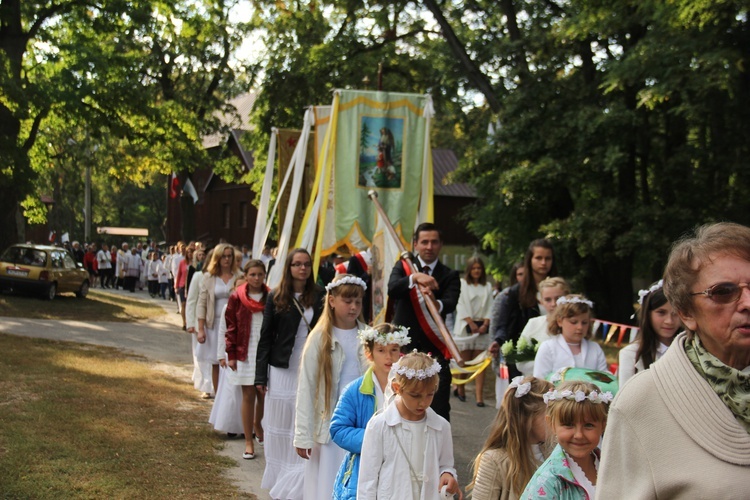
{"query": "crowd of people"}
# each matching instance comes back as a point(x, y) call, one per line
point(344, 409)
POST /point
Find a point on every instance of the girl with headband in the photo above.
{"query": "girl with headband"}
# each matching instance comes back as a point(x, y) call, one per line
point(333, 357)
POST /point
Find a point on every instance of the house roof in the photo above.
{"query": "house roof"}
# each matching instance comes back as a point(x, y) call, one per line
point(241, 121)
point(444, 162)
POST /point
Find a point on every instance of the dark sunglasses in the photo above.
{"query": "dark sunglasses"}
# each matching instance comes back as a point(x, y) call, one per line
point(724, 293)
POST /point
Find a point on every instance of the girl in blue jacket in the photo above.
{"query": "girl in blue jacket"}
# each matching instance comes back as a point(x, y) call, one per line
point(361, 399)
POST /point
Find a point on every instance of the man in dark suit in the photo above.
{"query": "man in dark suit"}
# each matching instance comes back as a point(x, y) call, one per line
point(436, 281)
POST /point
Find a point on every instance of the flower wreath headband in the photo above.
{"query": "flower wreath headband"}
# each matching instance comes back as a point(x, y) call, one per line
point(575, 300)
point(349, 280)
point(643, 293)
point(411, 373)
point(370, 334)
point(578, 396)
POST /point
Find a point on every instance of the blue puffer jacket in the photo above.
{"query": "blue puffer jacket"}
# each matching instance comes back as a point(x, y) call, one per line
point(355, 408)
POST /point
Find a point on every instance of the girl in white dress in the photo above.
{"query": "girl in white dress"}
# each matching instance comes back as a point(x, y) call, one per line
point(659, 323)
point(473, 320)
point(292, 309)
point(570, 326)
point(550, 289)
point(217, 284)
point(407, 450)
point(244, 317)
point(332, 358)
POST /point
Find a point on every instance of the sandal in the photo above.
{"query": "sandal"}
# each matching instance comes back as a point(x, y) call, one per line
point(248, 456)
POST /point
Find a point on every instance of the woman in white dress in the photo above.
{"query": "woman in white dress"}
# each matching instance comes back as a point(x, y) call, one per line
point(659, 324)
point(332, 358)
point(473, 320)
point(244, 317)
point(217, 284)
point(292, 310)
point(201, 369)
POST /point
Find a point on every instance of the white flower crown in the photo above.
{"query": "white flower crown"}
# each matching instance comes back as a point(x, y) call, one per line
point(348, 280)
point(642, 293)
point(411, 373)
point(370, 334)
point(521, 389)
point(578, 396)
point(575, 300)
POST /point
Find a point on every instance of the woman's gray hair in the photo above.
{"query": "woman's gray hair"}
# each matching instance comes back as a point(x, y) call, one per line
point(694, 250)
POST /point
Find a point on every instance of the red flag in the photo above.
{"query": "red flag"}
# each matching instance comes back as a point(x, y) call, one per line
point(174, 186)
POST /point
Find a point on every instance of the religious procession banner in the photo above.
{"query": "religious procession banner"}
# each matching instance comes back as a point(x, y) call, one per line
point(375, 141)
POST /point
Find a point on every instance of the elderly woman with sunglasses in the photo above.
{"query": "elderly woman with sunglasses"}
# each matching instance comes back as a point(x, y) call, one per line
point(682, 428)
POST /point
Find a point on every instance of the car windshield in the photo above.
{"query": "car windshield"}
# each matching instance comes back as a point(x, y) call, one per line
point(25, 256)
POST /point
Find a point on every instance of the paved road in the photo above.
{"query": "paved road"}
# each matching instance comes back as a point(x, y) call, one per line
point(162, 342)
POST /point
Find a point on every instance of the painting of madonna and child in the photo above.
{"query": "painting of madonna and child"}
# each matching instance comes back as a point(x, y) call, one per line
point(381, 141)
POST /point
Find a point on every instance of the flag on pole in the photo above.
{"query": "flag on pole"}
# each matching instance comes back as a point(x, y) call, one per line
point(190, 189)
point(174, 186)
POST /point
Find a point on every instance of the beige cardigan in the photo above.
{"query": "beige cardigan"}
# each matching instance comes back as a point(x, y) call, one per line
point(206, 299)
point(491, 482)
point(670, 436)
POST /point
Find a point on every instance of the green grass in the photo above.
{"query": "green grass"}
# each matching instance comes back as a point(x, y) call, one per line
point(98, 306)
point(85, 422)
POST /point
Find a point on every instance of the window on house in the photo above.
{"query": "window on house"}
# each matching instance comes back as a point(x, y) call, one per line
point(243, 214)
point(227, 215)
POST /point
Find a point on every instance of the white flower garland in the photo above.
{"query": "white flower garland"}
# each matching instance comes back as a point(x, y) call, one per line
point(370, 334)
point(522, 389)
point(348, 280)
point(411, 373)
point(575, 300)
point(578, 396)
point(642, 293)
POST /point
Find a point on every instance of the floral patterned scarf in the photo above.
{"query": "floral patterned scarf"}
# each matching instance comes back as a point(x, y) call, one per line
point(731, 385)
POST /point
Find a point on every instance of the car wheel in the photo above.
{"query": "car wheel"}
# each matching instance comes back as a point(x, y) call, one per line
point(51, 291)
point(83, 291)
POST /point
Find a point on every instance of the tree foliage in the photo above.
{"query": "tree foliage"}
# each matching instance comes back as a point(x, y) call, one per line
point(619, 123)
point(140, 80)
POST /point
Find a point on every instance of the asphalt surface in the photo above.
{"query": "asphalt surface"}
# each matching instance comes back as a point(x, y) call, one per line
point(163, 343)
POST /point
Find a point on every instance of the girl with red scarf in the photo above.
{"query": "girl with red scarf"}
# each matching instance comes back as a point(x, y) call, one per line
point(244, 317)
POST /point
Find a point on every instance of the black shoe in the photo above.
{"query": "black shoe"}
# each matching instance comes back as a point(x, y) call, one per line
point(480, 404)
point(460, 397)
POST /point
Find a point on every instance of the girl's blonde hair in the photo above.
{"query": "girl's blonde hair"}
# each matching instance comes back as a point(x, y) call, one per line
point(555, 282)
point(323, 333)
point(569, 411)
point(568, 310)
point(416, 361)
point(511, 430)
